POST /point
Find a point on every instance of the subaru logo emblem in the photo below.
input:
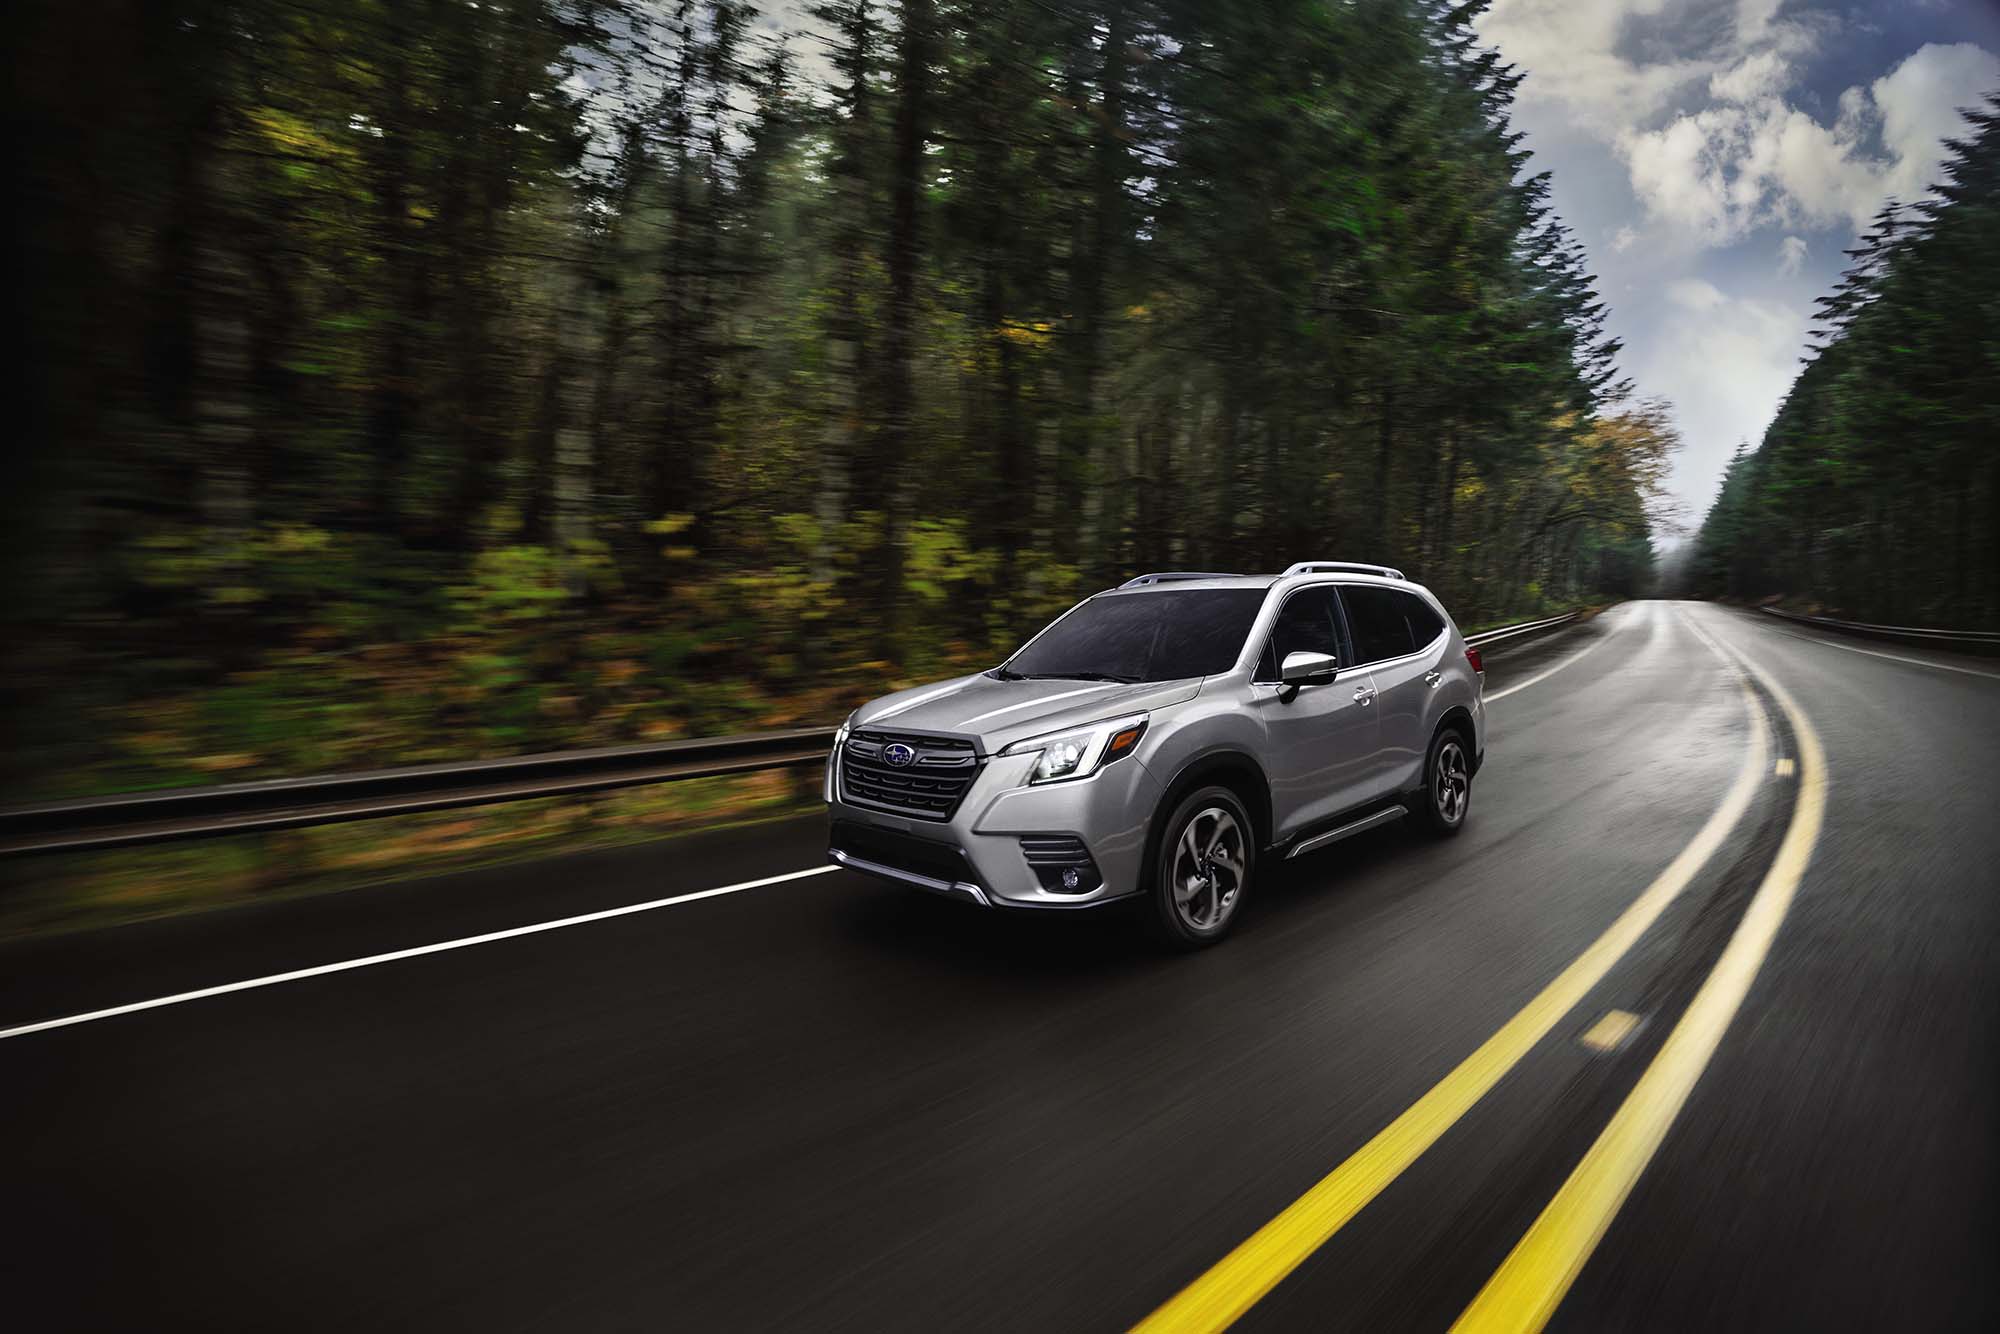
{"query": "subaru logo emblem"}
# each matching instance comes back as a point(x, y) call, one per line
point(898, 754)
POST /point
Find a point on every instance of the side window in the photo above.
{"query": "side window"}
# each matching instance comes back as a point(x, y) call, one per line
point(1376, 618)
point(1307, 623)
point(1425, 623)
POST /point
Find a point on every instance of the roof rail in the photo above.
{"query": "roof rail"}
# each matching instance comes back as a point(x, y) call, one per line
point(1343, 566)
point(1175, 576)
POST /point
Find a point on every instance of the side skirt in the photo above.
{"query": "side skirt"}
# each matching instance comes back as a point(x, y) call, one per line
point(1356, 826)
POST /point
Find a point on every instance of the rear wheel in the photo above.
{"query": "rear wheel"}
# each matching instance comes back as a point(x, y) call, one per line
point(1447, 794)
point(1206, 855)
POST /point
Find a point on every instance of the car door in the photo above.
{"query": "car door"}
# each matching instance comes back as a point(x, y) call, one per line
point(1401, 642)
point(1321, 736)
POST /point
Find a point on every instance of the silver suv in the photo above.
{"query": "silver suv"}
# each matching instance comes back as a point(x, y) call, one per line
point(1161, 738)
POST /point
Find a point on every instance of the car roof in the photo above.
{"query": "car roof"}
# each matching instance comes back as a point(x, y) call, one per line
point(1211, 581)
point(1267, 581)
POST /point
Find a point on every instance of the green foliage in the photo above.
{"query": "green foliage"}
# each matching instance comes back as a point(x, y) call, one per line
point(459, 379)
point(1876, 489)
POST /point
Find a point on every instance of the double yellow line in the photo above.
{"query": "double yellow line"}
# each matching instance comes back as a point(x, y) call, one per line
point(1524, 1292)
point(1526, 1289)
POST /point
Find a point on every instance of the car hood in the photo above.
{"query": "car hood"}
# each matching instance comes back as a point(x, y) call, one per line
point(999, 713)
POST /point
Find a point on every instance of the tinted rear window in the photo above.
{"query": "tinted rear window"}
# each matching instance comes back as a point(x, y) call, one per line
point(1425, 623)
point(1375, 619)
point(1387, 623)
point(1151, 636)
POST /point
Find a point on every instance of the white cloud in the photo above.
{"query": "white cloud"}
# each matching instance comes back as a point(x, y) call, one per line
point(1574, 52)
point(1721, 172)
point(1714, 169)
point(1714, 114)
point(1569, 50)
point(1754, 17)
point(1919, 102)
point(1791, 256)
point(1695, 294)
point(1761, 75)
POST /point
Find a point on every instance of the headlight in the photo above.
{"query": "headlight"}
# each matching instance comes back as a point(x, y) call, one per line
point(833, 760)
point(1083, 752)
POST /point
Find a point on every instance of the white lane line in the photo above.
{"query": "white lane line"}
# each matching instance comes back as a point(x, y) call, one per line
point(1892, 657)
point(464, 942)
point(1623, 621)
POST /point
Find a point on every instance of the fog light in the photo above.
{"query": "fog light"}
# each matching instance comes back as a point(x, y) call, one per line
point(1061, 863)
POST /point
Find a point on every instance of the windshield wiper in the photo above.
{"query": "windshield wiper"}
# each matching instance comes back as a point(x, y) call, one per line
point(1002, 674)
point(1080, 676)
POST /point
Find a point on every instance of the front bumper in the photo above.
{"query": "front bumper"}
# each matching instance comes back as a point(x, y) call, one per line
point(951, 888)
point(976, 856)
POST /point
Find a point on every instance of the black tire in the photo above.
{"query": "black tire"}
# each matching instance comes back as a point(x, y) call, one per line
point(1441, 805)
point(1197, 896)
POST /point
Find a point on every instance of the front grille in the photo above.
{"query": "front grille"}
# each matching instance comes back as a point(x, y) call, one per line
point(902, 852)
point(930, 787)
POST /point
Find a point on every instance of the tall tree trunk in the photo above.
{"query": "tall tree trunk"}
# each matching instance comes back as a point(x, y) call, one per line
point(905, 256)
point(493, 145)
point(671, 485)
point(224, 429)
point(538, 503)
point(1081, 463)
point(1385, 445)
point(846, 349)
point(1446, 574)
point(1992, 598)
point(1427, 469)
point(1226, 496)
point(577, 453)
point(408, 298)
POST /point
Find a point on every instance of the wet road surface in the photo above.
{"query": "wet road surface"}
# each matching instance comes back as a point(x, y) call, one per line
point(828, 1103)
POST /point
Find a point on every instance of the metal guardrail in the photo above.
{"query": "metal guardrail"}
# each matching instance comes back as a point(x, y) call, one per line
point(1969, 641)
point(295, 803)
point(172, 815)
point(1507, 632)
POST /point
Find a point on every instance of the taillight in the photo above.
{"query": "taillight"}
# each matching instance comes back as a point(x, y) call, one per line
point(1472, 656)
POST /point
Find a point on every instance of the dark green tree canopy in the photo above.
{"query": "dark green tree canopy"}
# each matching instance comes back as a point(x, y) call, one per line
point(551, 371)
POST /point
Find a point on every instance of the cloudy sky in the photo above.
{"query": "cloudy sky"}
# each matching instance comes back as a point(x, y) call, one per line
point(1716, 156)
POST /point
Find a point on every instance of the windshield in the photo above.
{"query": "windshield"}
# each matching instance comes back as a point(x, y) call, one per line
point(1153, 636)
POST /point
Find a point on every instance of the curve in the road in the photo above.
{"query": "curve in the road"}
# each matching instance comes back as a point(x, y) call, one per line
point(1240, 1279)
point(1571, 660)
point(1524, 1292)
point(838, 1105)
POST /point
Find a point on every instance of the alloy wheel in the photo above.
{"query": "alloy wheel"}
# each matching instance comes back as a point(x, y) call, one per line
point(1451, 782)
point(1208, 869)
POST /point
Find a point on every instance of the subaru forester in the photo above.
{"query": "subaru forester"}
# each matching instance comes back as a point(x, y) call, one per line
point(1162, 739)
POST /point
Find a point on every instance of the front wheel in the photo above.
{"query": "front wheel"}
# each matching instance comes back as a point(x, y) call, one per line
point(1202, 871)
point(1447, 790)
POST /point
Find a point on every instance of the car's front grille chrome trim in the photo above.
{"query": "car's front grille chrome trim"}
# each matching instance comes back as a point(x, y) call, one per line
point(929, 784)
point(1054, 849)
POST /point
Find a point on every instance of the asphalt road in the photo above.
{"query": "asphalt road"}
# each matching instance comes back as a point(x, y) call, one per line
point(825, 1103)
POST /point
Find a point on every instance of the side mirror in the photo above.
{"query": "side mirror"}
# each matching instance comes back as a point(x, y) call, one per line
point(1302, 668)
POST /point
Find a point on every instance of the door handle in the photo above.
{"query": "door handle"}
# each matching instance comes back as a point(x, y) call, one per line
point(1364, 696)
point(1436, 678)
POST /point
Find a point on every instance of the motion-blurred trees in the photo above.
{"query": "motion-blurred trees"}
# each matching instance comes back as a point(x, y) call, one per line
point(444, 376)
point(1876, 490)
